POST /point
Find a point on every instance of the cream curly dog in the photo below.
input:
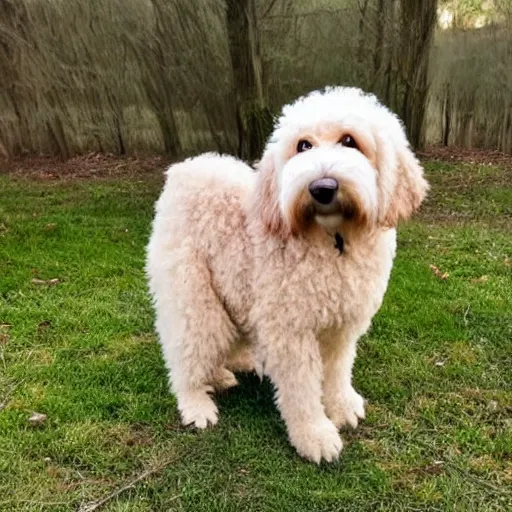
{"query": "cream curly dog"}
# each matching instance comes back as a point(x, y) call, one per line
point(285, 267)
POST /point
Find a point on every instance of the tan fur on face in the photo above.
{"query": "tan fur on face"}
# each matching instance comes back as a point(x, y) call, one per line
point(265, 204)
point(352, 208)
point(331, 133)
point(301, 217)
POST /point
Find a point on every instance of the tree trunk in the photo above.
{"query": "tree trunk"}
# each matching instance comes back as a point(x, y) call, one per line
point(505, 139)
point(56, 129)
point(253, 117)
point(417, 28)
point(361, 63)
point(378, 51)
point(447, 115)
point(391, 67)
point(158, 86)
point(13, 16)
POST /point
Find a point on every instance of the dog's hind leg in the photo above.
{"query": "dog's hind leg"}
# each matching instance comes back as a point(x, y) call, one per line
point(223, 379)
point(195, 333)
point(240, 359)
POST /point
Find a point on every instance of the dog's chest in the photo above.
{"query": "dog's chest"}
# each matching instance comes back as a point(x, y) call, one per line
point(347, 287)
point(321, 288)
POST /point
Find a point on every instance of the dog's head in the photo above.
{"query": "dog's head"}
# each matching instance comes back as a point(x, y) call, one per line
point(337, 159)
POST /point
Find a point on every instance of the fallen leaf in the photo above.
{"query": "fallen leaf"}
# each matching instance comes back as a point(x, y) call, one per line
point(48, 176)
point(440, 363)
point(37, 418)
point(506, 262)
point(50, 282)
point(482, 279)
point(492, 405)
point(50, 227)
point(441, 275)
point(4, 338)
point(53, 471)
point(434, 469)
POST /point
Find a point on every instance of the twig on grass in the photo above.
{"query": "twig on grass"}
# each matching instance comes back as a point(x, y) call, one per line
point(97, 504)
point(2, 357)
point(40, 504)
point(450, 464)
point(479, 481)
point(9, 393)
point(466, 315)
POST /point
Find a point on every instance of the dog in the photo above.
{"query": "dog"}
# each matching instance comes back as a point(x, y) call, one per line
point(282, 269)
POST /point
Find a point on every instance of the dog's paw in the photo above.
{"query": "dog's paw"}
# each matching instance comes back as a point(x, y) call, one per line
point(224, 379)
point(198, 410)
point(317, 441)
point(347, 410)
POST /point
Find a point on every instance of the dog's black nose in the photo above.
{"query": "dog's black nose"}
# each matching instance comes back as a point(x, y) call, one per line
point(324, 190)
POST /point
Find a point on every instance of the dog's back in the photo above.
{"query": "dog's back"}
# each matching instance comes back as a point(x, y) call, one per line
point(200, 227)
point(202, 196)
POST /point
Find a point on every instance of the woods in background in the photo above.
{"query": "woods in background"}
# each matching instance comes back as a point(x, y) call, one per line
point(179, 77)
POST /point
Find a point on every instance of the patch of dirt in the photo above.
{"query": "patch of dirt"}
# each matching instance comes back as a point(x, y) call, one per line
point(435, 215)
point(99, 165)
point(464, 177)
point(471, 156)
point(136, 435)
point(458, 193)
point(91, 166)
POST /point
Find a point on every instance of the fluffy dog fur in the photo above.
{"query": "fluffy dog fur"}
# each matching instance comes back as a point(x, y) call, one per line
point(243, 269)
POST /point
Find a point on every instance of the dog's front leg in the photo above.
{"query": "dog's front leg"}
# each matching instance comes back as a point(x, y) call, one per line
point(294, 365)
point(343, 404)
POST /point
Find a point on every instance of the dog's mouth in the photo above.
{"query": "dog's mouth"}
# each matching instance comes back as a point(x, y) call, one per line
point(333, 214)
point(344, 209)
point(329, 217)
point(339, 207)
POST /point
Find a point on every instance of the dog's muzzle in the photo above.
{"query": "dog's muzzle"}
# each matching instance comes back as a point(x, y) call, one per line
point(323, 192)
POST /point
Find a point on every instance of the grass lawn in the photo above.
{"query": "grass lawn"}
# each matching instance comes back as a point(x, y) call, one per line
point(436, 367)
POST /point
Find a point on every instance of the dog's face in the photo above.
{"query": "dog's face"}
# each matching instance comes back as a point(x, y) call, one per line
point(337, 159)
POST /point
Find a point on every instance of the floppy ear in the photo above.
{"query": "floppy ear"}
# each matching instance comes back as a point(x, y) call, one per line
point(410, 186)
point(265, 204)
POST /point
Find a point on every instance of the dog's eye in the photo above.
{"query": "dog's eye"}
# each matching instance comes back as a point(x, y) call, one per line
point(349, 142)
point(303, 145)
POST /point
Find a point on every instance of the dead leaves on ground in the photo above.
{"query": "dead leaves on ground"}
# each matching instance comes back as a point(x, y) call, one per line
point(93, 165)
point(4, 336)
point(482, 279)
point(37, 419)
point(472, 156)
point(441, 275)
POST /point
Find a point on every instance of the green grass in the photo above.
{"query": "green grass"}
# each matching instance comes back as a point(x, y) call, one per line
point(435, 368)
